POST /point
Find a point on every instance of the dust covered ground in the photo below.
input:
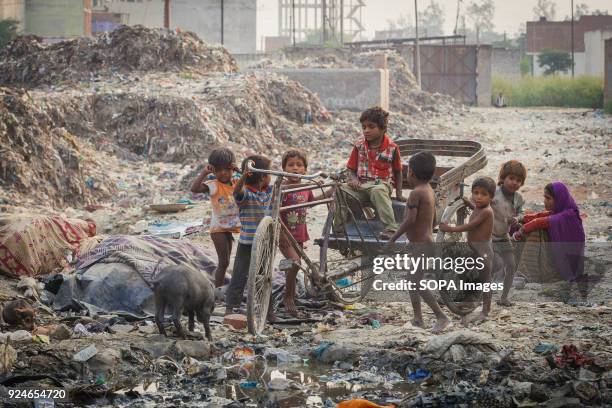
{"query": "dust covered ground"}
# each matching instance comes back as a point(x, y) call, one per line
point(370, 350)
point(104, 128)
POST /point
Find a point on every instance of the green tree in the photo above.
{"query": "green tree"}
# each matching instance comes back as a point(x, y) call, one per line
point(480, 13)
point(8, 31)
point(545, 8)
point(431, 19)
point(554, 61)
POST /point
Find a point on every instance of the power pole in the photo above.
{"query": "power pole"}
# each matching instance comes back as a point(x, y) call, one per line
point(417, 57)
point(341, 22)
point(293, 21)
point(572, 38)
point(222, 18)
point(323, 18)
point(166, 13)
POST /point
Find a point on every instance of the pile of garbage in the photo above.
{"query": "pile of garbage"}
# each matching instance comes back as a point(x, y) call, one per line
point(41, 162)
point(164, 117)
point(404, 93)
point(28, 61)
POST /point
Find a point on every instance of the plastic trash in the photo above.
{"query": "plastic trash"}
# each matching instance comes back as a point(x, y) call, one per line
point(248, 384)
point(282, 356)
point(85, 354)
point(344, 282)
point(80, 329)
point(278, 384)
point(375, 324)
point(418, 374)
point(16, 336)
point(544, 348)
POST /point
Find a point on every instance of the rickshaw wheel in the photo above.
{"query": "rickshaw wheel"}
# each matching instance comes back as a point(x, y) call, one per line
point(259, 285)
point(348, 279)
point(455, 300)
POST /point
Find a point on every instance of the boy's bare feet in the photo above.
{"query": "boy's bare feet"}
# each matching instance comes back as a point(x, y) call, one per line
point(504, 302)
point(290, 306)
point(386, 234)
point(474, 318)
point(441, 324)
point(417, 323)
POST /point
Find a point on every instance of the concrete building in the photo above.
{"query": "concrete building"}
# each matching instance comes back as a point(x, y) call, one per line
point(594, 47)
point(558, 35)
point(13, 9)
point(56, 19)
point(203, 17)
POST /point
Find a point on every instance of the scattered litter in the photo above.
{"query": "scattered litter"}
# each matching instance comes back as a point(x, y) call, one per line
point(85, 354)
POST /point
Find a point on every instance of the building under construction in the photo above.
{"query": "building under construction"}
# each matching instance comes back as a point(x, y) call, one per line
point(320, 21)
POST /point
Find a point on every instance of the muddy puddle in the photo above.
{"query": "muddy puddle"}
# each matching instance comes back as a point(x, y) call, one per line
point(258, 382)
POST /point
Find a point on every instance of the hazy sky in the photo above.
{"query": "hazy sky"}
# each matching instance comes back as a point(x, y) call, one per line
point(508, 13)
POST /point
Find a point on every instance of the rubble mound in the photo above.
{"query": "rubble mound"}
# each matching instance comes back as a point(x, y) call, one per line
point(26, 60)
point(42, 163)
point(259, 111)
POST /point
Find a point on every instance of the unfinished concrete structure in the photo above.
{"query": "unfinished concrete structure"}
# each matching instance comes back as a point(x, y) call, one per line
point(57, 19)
point(14, 10)
point(232, 23)
point(350, 89)
point(320, 21)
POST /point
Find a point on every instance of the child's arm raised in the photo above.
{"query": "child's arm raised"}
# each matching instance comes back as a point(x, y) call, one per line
point(198, 186)
point(239, 186)
point(410, 214)
point(474, 222)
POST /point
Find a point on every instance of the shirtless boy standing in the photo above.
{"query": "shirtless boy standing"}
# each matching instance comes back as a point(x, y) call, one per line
point(417, 225)
point(479, 229)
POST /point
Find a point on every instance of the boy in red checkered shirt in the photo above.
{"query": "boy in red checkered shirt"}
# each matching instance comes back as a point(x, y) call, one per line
point(375, 168)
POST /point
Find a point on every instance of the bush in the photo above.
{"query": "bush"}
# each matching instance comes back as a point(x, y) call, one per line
point(525, 66)
point(581, 92)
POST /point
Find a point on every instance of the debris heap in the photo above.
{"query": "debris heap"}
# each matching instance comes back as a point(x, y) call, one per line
point(28, 61)
point(185, 121)
point(41, 162)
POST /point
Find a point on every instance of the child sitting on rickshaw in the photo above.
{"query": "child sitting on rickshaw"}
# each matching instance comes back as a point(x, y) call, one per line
point(374, 170)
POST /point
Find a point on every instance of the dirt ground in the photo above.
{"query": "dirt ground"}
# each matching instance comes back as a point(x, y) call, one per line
point(500, 364)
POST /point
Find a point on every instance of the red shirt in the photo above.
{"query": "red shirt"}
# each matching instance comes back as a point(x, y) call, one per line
point(379, 164)
point(295, 220)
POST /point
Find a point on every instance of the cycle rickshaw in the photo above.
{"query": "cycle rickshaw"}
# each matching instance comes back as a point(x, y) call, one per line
point(345, 258)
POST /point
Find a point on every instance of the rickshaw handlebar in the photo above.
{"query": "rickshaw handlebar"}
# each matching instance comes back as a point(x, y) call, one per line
point(250, 167)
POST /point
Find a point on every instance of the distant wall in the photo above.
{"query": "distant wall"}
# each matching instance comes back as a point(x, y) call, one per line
point(594, 50)
point(244, 60)
point(506, 63)
point(58, 18)
point(350, 89)
point(483, 75)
